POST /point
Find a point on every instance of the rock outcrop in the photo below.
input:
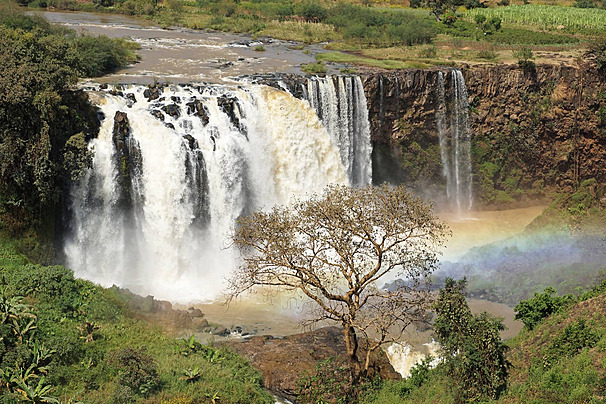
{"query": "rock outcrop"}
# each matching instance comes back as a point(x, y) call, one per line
point(283, 361)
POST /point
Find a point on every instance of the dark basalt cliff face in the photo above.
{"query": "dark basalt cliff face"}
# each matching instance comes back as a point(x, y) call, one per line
point(533, 133)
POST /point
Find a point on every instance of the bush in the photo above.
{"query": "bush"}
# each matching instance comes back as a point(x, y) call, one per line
point(573, 339)
point(100, 55)
point(585, 4)
point(428, 52)
point(314, 68)
point(328, 382)
point(312, 12)
point(488, 54)
point(371, 26)
point(525, 56)
point(137, 371)
point(542, 305)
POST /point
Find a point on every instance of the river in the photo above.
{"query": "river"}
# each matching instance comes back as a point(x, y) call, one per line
point(179, 55)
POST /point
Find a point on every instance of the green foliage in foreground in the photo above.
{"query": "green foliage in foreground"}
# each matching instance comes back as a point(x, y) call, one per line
point(543, 305)
point(471, 346)
point(561, 360)
point(64, 337)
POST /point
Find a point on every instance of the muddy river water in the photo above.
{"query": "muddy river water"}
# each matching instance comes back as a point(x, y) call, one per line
point(183, 55)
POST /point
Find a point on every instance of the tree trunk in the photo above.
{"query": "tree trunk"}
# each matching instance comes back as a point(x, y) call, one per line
point(351, 346)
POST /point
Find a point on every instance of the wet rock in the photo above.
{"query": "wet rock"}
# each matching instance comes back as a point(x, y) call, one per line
point(169, 125)
point(198, 109)
point(193, 145)
point(152, 93)
point(157, 114)
point(176, 99)
point(131, 97)
point(222, 332)
point(121, 130)
point(229, 105)
point(104, 86)
point(172, 110)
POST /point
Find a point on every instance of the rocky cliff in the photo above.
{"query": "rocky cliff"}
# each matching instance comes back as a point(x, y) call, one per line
point(534, 132)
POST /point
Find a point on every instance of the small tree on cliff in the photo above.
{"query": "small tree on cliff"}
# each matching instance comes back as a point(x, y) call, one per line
point(335, 248)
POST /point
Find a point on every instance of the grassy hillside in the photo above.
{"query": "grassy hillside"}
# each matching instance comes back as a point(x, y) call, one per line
point(68, 339)
point(563, 360)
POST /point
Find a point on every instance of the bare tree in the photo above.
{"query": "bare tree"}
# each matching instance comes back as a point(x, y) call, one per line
point(335, 248)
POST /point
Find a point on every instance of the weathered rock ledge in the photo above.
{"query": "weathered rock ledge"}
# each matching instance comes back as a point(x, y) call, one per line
point(283, 361)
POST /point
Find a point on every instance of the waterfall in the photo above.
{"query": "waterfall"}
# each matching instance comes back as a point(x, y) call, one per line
point(455, 141)
point(175, 167)
point(341, 106)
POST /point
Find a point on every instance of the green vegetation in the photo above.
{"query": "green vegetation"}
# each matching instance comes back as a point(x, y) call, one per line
point(471, 346)
point(510, 35)
point(43, 122)
point(541, 306)
point(64, 337)
point(580, 212)
point(341, 57)
point(554, 18)
point(314, 68)
point(329, 380)
point(561, 360)
point(405, 27)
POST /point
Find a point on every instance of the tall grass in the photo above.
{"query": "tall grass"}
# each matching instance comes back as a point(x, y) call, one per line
point(574, 20)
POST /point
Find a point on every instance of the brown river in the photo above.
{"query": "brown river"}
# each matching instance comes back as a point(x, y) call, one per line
point(182, 55)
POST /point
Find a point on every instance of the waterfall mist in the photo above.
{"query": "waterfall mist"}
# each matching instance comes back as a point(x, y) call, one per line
point(173, 171)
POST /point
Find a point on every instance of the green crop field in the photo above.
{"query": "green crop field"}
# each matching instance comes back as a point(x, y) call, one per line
point(572, 19)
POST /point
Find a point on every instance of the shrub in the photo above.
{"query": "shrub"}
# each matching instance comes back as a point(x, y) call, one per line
point(428, 52)
point(525, 56)
point(585, 4)
point(487, 53)
point(542, 305)
point(136, 371)
point(573, 339)
point(313, 12)
point(328, 382)
point(314, 68)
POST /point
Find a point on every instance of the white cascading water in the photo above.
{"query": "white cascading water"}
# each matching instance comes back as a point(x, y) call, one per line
point(403, 357)
point(455, 141)
point(154, 217)
point(341, 105)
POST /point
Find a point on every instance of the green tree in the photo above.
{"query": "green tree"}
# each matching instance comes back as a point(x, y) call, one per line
point(471, 345)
